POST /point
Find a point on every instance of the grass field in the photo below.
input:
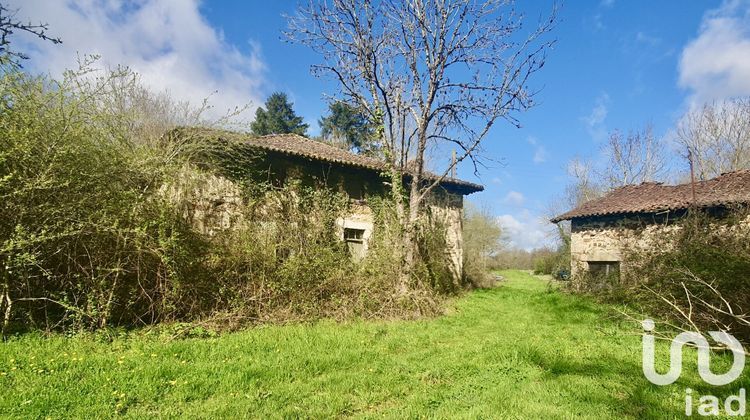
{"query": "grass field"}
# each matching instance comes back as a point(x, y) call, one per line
point(521, 350)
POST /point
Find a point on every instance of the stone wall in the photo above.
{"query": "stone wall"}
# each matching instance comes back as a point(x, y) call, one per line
point(447, 209)
point(608, 240)
point(605, 239)
point(360, 217)
point(208, 202)
point(212, 203)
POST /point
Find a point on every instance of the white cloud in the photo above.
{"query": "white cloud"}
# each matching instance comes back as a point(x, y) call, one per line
point(607, 3)
point(540, 152)
point(514, 198)
point(595, 120)
point(716, 64)
point(168, 42)
point(525, 231)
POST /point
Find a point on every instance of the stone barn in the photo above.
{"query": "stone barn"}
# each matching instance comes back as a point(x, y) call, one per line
point(286, 157)
point(629, 216)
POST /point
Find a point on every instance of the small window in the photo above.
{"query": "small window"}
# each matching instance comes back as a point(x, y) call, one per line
point(355, 242)
point(354, 235)
point(604, 268)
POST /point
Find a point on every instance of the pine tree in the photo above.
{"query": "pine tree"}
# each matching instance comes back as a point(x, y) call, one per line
point(348, 127)
point(278, 117)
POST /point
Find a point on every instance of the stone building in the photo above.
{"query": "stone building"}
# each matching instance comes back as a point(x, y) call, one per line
point(633, 215)
point(281, 158)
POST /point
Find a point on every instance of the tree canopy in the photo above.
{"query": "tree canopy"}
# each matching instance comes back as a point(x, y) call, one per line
point(347, 126)
point(278, 117)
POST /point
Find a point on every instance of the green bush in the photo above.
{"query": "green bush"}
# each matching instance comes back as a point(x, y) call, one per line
point(84, 237)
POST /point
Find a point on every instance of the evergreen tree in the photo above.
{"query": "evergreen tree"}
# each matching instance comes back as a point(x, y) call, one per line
point(348, 127)
point(278, 117)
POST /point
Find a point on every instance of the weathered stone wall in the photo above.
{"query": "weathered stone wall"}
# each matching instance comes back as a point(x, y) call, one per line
point(446, 209)
point(208, 202)
point(212, 203)
point(611, 239)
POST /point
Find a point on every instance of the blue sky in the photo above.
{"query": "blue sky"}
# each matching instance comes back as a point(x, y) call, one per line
point(616, 65)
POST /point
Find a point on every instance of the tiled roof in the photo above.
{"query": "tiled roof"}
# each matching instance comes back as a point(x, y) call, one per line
point(728, 189)
point(296, 145)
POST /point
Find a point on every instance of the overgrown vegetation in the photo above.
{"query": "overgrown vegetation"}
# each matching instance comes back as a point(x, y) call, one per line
point(692, 275)
point(98, 210)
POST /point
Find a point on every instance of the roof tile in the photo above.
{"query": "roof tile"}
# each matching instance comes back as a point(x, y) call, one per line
point(296, 145)
point(728, 189)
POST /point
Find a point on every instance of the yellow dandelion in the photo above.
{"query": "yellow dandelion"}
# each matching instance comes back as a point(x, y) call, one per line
point(13, 368)
point(173, 382)
point(3, 373)
point(119, 362)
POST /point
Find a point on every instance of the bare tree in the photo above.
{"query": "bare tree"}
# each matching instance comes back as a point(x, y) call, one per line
point(717, 136)
point(633, 158)
point(426, 72)
point(483, 234)
point(9, 25)
point(583, 186)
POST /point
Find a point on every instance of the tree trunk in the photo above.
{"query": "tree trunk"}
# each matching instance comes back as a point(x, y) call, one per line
point(410, 238)
point(5, 298)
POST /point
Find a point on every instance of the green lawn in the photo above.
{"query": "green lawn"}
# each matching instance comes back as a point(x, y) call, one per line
point(520, 350)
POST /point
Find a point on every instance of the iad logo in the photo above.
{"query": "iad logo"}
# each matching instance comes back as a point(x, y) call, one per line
point(709, 404)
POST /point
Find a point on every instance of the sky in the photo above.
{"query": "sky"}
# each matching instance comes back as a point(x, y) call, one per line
point(615, 65)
